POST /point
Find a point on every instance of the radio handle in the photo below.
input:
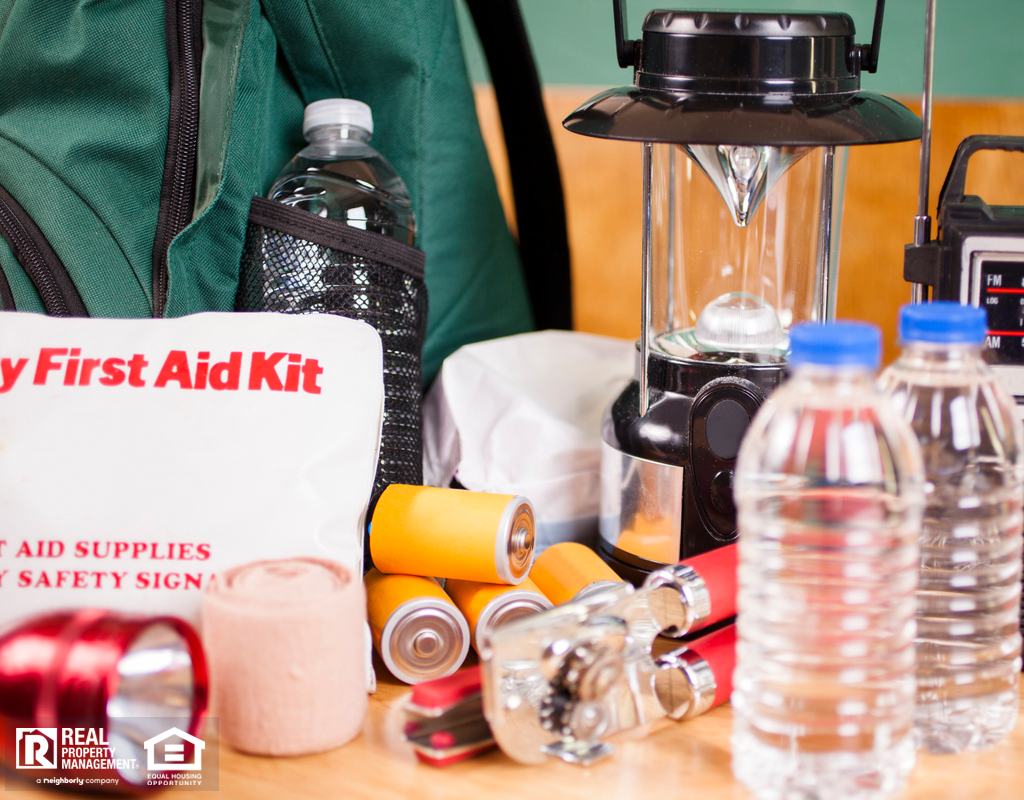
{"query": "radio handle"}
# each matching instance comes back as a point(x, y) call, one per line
point(953, 188)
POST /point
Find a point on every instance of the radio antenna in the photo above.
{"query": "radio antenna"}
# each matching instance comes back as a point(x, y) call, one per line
point(923, 221)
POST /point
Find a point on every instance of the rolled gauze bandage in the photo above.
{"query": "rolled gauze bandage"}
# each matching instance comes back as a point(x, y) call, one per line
point(285, 641)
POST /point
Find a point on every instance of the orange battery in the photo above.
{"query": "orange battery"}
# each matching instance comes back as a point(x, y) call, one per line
point(569, 570)
point(418, 631)
point(452, 533)
point(488, 605)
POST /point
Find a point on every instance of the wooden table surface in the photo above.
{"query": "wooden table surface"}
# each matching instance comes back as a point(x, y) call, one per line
point(685, 759)
point(674, 760)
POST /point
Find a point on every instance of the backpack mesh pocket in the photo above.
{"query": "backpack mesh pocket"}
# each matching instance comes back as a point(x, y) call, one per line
point(298, 263)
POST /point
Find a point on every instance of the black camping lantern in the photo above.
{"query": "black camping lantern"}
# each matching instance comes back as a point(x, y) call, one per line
point(744, 119)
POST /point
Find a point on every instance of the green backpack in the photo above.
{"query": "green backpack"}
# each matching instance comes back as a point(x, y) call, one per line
point(132, 141)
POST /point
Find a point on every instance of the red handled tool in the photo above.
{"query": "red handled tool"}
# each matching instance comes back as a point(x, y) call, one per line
point(706, 587)
point(445, 720)
point(694, 679)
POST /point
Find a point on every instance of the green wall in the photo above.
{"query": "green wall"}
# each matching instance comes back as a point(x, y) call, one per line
point(979, 43)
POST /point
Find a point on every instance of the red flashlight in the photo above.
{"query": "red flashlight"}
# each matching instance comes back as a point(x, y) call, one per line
point(97, 686)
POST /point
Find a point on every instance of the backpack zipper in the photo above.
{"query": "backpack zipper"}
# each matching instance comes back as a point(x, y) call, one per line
point(183, 22)
point(6, 295)
point(42, 265)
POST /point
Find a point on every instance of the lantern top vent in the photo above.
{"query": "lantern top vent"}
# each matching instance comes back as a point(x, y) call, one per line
point(748, 23)
point(709, 51)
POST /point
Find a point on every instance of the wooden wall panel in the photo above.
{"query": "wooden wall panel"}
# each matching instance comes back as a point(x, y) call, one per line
point(603, 197)
point(603, 191)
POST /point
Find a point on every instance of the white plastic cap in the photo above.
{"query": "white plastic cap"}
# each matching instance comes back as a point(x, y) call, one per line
point(337, 111)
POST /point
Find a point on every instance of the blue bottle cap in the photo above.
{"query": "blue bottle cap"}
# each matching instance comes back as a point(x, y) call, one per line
point(837, 344)
point(943, 322)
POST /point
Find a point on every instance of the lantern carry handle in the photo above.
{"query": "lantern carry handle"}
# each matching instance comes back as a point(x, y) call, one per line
point(869, 52)
point(625, 47)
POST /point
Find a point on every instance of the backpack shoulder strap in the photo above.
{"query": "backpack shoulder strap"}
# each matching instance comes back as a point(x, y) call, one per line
point(533, 164)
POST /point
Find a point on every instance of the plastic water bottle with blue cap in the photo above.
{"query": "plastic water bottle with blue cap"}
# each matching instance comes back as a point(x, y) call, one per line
point(968, 602)
point(829, 497)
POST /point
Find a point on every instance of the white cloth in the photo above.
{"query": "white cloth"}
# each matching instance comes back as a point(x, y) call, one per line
point(522, 415)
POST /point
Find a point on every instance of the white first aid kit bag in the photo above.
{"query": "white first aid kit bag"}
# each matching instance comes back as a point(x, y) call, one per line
point(138, 458)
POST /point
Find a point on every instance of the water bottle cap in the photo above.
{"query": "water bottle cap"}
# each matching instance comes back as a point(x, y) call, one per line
point(839, 344)
point(943, 322)
point(337, 111)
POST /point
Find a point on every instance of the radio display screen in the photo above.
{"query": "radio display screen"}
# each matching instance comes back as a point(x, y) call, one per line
point(1002, 296)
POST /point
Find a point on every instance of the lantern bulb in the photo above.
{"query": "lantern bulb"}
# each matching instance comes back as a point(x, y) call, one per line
point(738, 322)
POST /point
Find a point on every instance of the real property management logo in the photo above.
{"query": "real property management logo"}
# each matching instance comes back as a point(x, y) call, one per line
point(67, 748)
point(37, 748)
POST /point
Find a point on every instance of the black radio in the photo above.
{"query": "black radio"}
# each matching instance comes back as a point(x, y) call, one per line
point(978, 259)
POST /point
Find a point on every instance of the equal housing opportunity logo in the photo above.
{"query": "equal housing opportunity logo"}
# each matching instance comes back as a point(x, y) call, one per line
point(167, 752)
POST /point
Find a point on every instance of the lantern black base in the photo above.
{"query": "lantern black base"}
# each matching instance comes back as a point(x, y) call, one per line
point(674, 466)
point(626, 565)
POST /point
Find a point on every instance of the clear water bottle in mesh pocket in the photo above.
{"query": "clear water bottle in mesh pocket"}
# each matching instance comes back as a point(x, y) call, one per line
point(336, 236)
